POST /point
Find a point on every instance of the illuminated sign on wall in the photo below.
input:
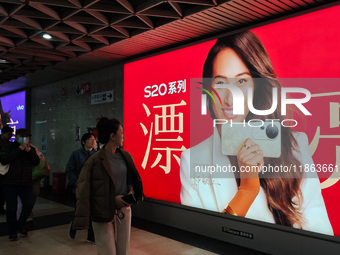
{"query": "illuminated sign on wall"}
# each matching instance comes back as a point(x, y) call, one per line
point(14, 105)
point(163, 119)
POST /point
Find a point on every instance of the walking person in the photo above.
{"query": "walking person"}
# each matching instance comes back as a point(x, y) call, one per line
point(6, 135)
point(18, 180)
point(73, 169)
point(105, 178)
point(39, 172)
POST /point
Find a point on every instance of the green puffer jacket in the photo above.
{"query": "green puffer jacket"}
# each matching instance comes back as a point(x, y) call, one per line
point(96, 190)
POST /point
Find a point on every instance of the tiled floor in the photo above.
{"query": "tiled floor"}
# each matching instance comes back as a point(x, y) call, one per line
point(48, 235)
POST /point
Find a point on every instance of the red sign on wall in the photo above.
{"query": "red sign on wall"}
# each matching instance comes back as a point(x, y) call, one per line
point(159, 123)
point(83, 89)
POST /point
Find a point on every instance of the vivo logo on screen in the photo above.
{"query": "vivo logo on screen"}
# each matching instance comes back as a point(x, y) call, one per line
point(20, 107)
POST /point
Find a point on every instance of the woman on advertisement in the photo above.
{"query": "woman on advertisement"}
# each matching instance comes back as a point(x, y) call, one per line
point(291, 199)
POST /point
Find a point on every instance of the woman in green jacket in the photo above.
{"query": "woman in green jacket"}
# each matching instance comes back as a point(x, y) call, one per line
point(106, 177)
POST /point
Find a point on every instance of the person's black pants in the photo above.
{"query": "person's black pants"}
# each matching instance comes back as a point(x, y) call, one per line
point(11, 194)
point(2, 197)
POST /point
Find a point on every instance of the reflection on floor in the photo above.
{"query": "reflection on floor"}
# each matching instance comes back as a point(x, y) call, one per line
point(55, 241)
point(44, 207)
point(48, 234)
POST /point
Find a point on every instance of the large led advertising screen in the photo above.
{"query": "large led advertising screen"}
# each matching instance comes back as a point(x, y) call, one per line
point(246, 124)
point(12, 109)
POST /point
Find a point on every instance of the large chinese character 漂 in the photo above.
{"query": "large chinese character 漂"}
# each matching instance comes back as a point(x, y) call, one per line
point(167, 122)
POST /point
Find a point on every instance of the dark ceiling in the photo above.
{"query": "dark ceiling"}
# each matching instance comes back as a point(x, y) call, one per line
point(91, 34)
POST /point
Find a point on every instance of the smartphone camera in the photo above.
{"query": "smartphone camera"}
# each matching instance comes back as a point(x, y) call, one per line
point(272, 131)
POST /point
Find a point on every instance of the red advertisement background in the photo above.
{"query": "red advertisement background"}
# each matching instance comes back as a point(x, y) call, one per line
point(302, 47)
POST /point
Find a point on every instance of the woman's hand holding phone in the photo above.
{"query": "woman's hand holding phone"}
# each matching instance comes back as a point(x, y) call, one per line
point(120, 203)
point(250, 160)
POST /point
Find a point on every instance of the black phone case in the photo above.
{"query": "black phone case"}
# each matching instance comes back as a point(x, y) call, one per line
point(129, 199)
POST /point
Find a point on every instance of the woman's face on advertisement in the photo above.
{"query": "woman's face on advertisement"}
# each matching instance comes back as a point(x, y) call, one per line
point(228, 68)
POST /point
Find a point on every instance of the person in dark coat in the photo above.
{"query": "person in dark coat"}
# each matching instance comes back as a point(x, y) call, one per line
point(73, 169)
point(18, 180)
point(6, 134)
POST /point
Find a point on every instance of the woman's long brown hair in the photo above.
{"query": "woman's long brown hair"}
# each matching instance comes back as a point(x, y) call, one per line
point(281, 190)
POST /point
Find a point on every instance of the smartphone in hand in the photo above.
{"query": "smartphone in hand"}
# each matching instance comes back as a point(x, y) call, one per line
point(267, 134)
point(130, 199)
